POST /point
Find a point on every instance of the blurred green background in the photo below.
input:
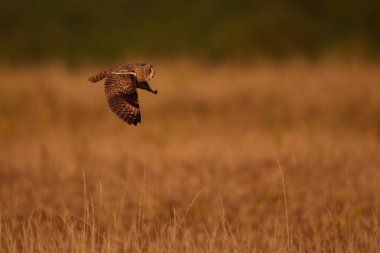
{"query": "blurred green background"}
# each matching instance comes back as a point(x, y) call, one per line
point(212, 29)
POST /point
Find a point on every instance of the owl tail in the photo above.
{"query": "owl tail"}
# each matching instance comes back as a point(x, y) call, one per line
point(98, 77)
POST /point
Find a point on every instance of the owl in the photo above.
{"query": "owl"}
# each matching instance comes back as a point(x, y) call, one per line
point(120, 88)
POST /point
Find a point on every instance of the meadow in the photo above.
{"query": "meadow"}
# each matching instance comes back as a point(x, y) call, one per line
point(258, 157)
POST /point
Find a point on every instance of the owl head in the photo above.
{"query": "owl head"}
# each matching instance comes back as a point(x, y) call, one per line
point(144, 72)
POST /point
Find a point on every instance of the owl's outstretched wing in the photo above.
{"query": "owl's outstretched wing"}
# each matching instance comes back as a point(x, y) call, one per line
point(122, 98)
point(126, 106)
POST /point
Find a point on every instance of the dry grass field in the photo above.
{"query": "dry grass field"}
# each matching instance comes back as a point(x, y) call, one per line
point(229, 158)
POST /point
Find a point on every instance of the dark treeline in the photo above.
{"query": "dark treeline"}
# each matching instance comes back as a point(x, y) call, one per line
point(105, 30)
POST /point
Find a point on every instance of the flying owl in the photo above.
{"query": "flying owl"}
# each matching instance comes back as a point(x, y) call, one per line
point(120, 87)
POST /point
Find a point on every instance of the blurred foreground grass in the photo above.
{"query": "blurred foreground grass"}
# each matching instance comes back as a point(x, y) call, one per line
point(201, 173)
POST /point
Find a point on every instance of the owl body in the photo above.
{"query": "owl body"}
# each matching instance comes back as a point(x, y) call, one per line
point(120, 88)
point(119, 84)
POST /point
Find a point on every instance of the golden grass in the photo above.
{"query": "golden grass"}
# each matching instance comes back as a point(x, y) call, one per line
point(256, 158)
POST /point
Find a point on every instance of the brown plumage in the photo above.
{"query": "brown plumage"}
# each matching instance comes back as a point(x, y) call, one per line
point(120, 87)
